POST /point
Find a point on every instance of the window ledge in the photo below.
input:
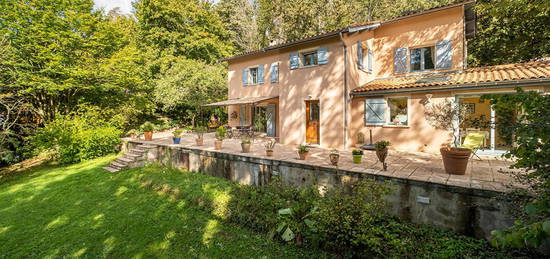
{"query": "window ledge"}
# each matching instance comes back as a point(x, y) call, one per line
point(396, 126)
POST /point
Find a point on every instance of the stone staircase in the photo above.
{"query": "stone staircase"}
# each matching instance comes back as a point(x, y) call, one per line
point(133, 158)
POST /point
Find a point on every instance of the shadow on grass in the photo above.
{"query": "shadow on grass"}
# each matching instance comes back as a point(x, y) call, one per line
point(83, 211)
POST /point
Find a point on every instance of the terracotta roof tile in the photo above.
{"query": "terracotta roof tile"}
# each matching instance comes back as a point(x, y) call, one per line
point(500, 73)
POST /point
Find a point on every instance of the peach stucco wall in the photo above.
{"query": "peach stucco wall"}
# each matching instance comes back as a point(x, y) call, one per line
point(326, 82)
point(323, 83)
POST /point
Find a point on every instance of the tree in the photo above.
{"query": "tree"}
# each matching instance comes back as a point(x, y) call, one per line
point(239, 18)
point(531, 151)
point(181, 28)
point(283, 20)
point(187, 85)
point(510, 31)
point(58, 49)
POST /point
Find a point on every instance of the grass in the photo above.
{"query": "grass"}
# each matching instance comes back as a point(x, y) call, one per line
point(82, 211)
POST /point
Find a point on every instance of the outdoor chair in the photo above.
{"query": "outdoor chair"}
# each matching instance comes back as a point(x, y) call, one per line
point(474, 141)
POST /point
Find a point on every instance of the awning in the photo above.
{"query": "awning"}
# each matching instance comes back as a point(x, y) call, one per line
point(244, 100)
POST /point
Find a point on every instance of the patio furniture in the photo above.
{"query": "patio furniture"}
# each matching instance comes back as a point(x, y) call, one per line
point(474, 141)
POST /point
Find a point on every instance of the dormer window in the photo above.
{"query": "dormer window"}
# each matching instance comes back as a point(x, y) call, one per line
point(422, 59)
point(309, 59)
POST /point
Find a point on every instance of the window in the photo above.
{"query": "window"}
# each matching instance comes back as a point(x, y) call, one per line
point(398, 111)
point(314, 111)
point(253, 75)
point(309, 59)
point(422, 59)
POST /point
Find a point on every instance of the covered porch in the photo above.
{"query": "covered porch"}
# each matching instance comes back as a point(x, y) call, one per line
point(252, 114)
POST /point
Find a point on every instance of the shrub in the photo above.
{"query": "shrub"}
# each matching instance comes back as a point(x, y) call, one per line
point(357, 152)
point(303, 148)
point(382, 144)
point(76, 137)
point(355, 220)
point(148, 127)
point(177, 133)
point(220, 133)
point(199, 131)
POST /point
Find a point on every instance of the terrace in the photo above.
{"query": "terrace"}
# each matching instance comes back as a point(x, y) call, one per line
point(486, 174)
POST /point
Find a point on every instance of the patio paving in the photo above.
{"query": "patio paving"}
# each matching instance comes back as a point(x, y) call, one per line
point(486, 174)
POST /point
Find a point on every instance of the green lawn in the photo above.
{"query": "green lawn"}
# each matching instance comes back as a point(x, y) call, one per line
point(82, 211)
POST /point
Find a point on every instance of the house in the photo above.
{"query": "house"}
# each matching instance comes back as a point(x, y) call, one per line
point(373, 78)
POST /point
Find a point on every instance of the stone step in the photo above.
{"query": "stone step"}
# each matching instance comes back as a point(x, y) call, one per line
point(118, 165)
point(110, 169)
point(137, 151)
point(133, 155)
point(125, 159)
point(142, 148)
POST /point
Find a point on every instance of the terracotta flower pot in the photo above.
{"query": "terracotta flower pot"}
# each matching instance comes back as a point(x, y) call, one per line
point(148, 135)
point(455, 160)
point(199, 141)
point(334, 159)
point(245, 147)
point(357, 159)
point(218, 144)
point(382, 154)
point(303, 155)
point(269, 152)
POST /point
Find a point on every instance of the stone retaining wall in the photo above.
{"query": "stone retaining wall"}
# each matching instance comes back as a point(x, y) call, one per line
point(469, 211)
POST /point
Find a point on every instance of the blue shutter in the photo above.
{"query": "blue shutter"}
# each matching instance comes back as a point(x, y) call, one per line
point(294, 60)
point(369, 60)
point(400, 60)
point(322, 56)
point(245, 76)
point(375, 111)
point(443, 54)
point(261, 74)
point(274, 72)
point(359, 55)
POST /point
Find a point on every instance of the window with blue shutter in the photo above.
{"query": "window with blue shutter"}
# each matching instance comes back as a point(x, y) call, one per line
point(274, 72)
point(400, 60)
point(359, 55)
point(375, 111)
point(294, 60)
point(444, 54)
point(322, 56)
point(261, 74)
point(245, 76)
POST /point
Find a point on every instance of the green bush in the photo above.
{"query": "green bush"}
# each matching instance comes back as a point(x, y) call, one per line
point(76, 137)
point(355, 221)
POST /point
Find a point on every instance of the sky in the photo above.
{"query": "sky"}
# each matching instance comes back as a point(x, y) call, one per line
point(125, 5)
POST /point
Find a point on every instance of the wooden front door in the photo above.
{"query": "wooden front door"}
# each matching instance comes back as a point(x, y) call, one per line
point(312, 122)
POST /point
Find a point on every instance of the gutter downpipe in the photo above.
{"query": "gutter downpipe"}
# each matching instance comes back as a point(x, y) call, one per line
point(346, 100)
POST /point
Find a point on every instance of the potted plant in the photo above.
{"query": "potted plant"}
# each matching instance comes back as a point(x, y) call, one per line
point(303, 151)
point(176, 138)
point(148, 129)
point(357, 156)
point(334, 157)
point(246, 142)
point(269, 146)
point(133, 133)
point(381, 148)
point(448, 115)
point(220, 136)
point(199, 132)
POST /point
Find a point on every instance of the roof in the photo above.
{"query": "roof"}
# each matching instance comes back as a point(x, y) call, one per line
point(244, 100)
point(352, 28)
point(475, 77)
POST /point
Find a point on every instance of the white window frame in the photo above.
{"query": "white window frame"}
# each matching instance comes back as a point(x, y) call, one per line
point(388, 111)
point(250, 77)
point(422, 61)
